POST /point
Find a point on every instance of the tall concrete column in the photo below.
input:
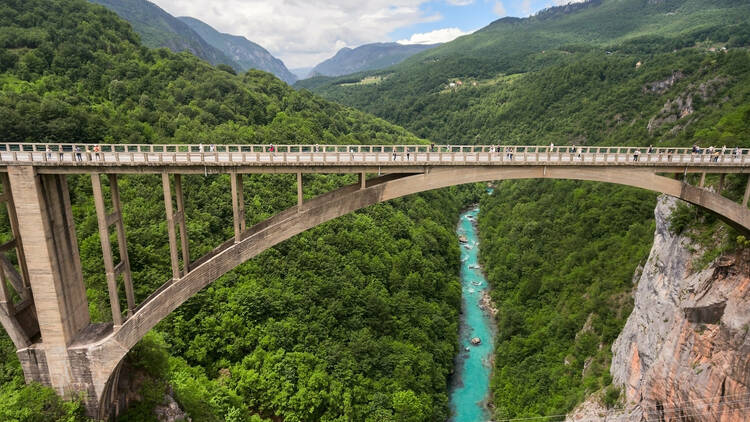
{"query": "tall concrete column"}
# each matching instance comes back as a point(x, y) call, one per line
point(46, 225)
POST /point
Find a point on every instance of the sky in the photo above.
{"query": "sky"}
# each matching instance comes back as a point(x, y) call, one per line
point(304, 33)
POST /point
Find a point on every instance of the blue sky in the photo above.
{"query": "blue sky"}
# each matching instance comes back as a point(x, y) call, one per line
point(469, 17)
point(303, 33)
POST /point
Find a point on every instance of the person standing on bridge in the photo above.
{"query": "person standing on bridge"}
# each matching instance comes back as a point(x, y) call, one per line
point(394, 154)
point(96, 151)
point(78, 154)
point(636, 154)
point(407, 153)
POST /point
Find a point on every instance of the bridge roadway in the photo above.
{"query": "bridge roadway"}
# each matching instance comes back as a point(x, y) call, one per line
point(48, 319)
point(64, 158)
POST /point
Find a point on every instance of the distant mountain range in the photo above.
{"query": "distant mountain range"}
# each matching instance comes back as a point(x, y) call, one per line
point(301, 72)
point(158, 28)
point(247, 54)
point(367, 57)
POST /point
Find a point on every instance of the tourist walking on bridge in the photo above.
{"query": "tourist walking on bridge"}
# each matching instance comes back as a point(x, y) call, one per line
point(636, 154)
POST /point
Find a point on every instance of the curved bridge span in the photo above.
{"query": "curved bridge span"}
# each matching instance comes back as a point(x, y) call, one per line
point(50, 325)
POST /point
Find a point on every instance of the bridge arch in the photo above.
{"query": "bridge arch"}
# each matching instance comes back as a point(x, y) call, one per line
point(107, 352)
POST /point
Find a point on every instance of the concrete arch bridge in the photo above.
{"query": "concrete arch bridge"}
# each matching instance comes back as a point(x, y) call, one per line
point(48, 319)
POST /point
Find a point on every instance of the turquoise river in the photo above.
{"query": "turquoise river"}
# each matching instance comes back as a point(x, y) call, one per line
point(471, 383)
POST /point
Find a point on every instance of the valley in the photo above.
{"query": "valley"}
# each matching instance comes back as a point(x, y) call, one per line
point(584, 299)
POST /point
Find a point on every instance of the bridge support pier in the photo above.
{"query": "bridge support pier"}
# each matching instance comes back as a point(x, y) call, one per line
point(45, 222)
point(175, 222)
point(238, 206)
point(299, 190)
point(123, 268)
point(51, 327)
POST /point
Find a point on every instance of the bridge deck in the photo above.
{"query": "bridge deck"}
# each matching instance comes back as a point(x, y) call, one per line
point(351, 158)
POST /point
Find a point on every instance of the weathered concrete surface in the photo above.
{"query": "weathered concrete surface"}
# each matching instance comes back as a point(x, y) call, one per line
point(51, 250)
point(685, 350)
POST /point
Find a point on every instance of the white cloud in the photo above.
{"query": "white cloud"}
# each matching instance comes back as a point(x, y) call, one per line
point(460, 2)
point(564, 2)
point(499, 9)
point(302, 33)
point(526, 7)
point(434, 37)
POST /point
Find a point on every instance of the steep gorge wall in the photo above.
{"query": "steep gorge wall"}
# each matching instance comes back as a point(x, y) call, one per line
point(684, 353)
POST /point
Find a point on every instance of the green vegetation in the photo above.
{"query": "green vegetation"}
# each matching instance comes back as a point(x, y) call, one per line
point(356, 319)
point(353, 320)
point(157, 28)
point(568, 77)
point(29, 403)
point(561, 255)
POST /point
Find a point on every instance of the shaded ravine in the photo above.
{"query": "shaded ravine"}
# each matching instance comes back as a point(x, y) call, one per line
point(471, 382)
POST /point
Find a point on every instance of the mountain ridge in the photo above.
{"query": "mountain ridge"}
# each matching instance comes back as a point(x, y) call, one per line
point(157, 28)
point(372, 56)
point(245, 53)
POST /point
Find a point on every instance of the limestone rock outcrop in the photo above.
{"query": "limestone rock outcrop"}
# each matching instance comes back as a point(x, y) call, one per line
point(684, 353)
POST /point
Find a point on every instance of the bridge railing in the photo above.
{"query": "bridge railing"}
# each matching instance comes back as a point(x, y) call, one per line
point(67, 153)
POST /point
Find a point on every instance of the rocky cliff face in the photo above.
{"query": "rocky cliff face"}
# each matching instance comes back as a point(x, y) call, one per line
point(684, 353)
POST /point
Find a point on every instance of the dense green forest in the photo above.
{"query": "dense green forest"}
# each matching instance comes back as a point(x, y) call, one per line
point(357, 319)
point(561, 255)
point(353, 320)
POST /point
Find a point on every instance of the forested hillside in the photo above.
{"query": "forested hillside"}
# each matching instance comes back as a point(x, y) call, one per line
point(158, 28)
point(561, 255)
point(354, 320)
point(570, 74)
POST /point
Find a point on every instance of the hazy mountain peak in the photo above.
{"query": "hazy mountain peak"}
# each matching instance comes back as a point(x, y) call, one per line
point(368, 57)
point(247, 54)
